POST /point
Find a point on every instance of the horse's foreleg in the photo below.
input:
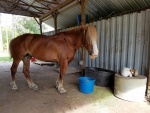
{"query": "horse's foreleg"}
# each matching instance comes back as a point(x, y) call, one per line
point(13, 72)
point(59, 82)
point(26, 65)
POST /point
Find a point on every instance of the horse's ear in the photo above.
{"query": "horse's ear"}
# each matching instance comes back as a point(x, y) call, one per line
point(95, 26)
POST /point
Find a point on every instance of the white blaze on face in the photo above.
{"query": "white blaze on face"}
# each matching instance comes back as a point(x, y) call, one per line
point(92, 34)
point(95, 49)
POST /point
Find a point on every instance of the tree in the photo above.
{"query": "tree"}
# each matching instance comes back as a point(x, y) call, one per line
point(1, 39)
point(19, 26)
point(26, 25)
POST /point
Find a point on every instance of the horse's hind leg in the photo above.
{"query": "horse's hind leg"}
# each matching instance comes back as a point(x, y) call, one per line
point(13, 72)
point(26, 65)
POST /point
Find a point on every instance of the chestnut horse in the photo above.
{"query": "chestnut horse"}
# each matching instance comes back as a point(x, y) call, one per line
point(59, 48)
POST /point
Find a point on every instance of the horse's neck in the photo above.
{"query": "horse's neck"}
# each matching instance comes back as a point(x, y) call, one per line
point(78, 39)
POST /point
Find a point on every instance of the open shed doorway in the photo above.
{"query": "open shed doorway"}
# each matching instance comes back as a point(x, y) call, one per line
point(12, 26)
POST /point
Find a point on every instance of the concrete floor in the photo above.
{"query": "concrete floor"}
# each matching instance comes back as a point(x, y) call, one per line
point(48, 100)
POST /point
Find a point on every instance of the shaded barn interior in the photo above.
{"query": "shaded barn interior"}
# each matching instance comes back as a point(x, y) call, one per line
point(48, 100)
point(123, 29)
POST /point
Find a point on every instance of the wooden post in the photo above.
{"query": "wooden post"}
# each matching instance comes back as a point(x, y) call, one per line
point(40, 26)
point(83, 22)
point(54, 14)
point(148, 84)
point(148, 76)
point(83, 11)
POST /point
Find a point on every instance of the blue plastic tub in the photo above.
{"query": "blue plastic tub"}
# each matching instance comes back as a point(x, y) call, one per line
point(86, 84)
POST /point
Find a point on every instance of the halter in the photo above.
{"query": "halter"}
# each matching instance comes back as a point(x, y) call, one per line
point(88, 38)
point(84, 36)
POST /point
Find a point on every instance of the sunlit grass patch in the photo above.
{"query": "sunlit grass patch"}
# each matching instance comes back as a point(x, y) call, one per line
point(4, 57)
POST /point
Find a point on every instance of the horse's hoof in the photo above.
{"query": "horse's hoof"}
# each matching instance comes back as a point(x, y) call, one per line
point(33, 86)
point(14, 86)
point(61, 90)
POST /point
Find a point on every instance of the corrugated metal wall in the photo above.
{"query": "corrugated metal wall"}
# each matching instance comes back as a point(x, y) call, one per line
point(123, 42)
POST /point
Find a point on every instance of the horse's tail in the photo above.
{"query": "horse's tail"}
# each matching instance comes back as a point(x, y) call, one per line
point(10, 48)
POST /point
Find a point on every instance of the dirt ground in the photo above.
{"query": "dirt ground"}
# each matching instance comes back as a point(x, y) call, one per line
point(48, 100)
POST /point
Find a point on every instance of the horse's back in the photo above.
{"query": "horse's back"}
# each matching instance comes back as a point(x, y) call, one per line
point(43, 47)
point(35, 45)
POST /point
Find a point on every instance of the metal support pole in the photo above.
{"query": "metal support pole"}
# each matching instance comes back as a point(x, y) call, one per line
point(148, 73)
point(40, 26)
point(83, 22)
point(83, 11)
point(148, 83)
point(54, 14)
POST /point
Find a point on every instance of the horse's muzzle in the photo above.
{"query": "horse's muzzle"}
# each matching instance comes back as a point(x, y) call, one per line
point(92, 55)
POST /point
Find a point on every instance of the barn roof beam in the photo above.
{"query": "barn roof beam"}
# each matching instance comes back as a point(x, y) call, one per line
point(15, 3)
point(31, 4)
point(43, 4)
point(18, 9)
point(50, 2)
point(66, 2)
point(8, 9)
point(4, 7)
point(25, 4)
point(33, 7)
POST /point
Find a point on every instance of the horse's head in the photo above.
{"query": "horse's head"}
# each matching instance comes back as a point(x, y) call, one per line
point(90, 40)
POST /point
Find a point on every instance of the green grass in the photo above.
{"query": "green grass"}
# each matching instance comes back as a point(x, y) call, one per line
point(5, 59)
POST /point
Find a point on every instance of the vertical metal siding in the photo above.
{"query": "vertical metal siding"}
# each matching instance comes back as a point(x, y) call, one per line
point(107, 44)
point(118, 43)
point(146, 41)
point(139, 41)
point(112, 43)
point(102, 43)
point(123, 42)
point(131, 40)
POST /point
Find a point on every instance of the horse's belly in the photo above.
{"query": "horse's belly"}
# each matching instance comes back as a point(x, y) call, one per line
point(48, 56)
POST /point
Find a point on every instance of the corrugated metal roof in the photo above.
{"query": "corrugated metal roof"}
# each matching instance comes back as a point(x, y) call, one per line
point(96, 9)
point(32, 8)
